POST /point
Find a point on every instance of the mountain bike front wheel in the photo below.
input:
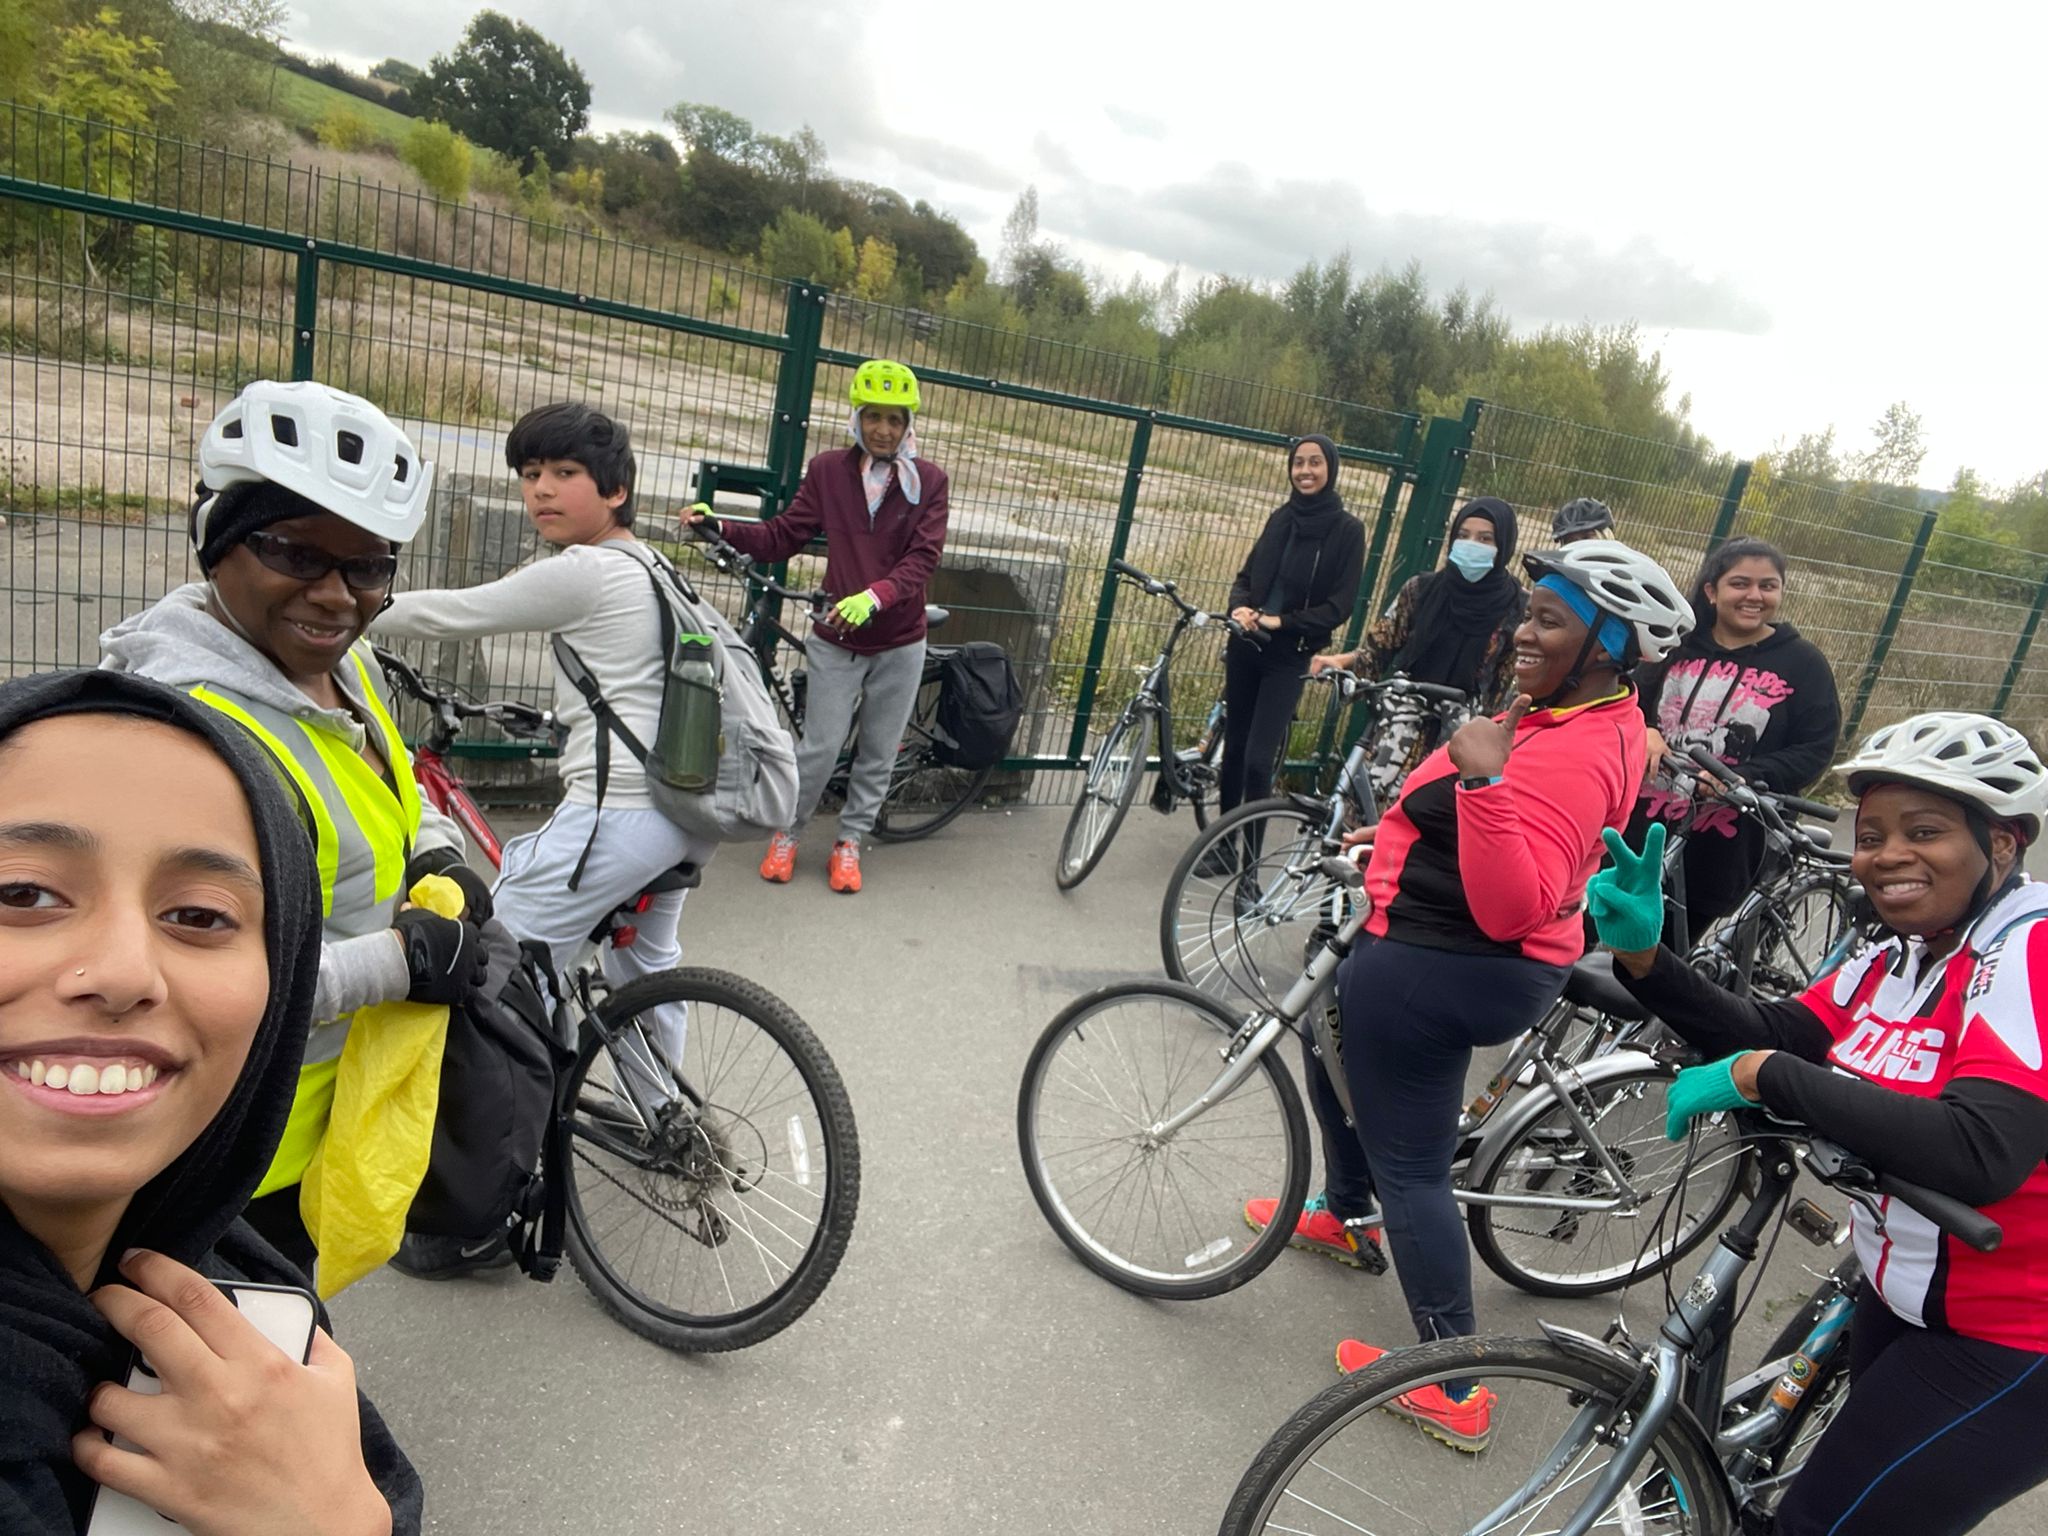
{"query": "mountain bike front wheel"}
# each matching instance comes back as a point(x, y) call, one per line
point(719, 1224)
point(1160, 1215)
point(1107, 790)
point(1247, 901)
point(1360, 1458)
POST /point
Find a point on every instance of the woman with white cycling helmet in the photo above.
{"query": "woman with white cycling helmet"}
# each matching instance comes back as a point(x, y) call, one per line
point(1924, 1055)
point(1475, 877)
point(306, 495)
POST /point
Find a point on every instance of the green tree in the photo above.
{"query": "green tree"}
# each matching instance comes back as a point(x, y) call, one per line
point(874, 276)
point(406, 77)
point(264, 20)
point(1897, 449)
point(508, 89)
point(25, 26)
point(344, 129)
point(441, 158)
point(102, 73)
point(801, 247)
point(713, 130)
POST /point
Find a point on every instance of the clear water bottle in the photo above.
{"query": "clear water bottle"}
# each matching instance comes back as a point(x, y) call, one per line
point(688, 744)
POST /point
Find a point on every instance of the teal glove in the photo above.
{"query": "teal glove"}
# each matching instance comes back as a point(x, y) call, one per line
point(1627, 901)
point(856, 610)
point(1702, 1091)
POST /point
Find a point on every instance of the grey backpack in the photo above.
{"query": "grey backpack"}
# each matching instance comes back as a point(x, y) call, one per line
point(755, 790)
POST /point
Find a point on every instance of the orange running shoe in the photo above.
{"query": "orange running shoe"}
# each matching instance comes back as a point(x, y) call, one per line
point(1463, 1423)
point(845, 875)
point(1317, 1231)
point(780, 862)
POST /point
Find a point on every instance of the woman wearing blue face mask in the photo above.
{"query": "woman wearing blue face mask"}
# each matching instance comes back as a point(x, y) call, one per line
point(1454, 626)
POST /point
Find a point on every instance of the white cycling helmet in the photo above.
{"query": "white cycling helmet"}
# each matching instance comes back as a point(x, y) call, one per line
point(1625, 583)
point(337, 450)
point(1966, 757)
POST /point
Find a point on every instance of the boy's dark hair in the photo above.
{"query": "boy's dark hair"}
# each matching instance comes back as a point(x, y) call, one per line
point(571, 430)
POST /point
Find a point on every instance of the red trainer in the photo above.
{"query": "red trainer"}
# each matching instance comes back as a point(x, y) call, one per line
point(845, 872)
point(1462, 1425)
point(780, 862)
point(1317, 1231)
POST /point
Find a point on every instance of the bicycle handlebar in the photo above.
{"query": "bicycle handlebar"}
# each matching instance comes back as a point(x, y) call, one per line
point(1772, 801)
point(514, 716)
point(1836, 1165)
point(1157, 586)
point(734, 561)
point(1351, 685)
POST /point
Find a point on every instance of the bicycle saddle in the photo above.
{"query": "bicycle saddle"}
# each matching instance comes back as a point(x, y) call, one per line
point(934, 615)
point(1591, 984)
point(684, 877)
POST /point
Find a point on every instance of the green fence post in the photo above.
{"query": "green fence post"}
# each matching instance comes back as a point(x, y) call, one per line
point(2019, 651)
point(1369, 579)
point(1438, 479)
point(1105, 605)
point(305, 312)
point(1731, 503)
point(1892, 615)
point(796, 385)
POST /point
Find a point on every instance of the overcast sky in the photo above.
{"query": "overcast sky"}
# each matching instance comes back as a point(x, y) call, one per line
point(1812, 210)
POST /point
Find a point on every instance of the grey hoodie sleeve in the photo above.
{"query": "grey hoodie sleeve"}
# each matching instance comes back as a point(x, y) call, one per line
point(355, 973)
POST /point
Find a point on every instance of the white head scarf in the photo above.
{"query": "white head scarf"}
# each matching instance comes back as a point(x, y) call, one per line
point(874, 472)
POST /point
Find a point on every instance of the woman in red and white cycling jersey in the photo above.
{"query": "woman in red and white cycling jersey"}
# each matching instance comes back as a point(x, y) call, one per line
point(1923, 1054)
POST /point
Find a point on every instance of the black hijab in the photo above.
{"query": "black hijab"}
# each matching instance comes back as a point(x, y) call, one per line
point(1455, 619)
point(54, 1346)
point(1308, 521)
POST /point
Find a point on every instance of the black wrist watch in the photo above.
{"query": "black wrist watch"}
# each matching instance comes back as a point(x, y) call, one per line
point(1479, 781)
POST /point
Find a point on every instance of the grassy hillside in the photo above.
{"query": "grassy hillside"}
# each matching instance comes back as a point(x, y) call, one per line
point(301, 103)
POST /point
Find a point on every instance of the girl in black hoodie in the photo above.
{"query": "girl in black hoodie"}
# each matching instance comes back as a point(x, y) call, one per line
point(159, 931)
point(1298, 584)
point(1755, 694)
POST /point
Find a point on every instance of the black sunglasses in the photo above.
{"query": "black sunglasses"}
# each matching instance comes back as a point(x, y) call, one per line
point(303, 562)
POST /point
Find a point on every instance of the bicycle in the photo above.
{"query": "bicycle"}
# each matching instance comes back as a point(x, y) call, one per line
point(1111, 781)
point(1634, 1436)
point(925, 791)
point(656, 1167)
point(1139, 1157)
point(1243, 904)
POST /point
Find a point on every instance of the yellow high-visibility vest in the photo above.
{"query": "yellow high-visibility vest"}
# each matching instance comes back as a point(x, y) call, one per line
point(364, 830)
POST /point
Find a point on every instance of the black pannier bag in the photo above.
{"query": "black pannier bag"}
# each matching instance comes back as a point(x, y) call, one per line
point(979, 705)
point(497, 1096)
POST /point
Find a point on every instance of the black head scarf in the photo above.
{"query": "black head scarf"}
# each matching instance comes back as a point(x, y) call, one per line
point(1455, 619)
point(54, 1347)
point(1308, 521)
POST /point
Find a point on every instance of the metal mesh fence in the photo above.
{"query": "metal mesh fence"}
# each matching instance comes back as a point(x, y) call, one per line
point(147, 280)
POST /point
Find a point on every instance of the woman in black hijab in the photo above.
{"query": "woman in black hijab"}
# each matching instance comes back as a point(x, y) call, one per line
point(159, 944)
point(1298, 584)
point(1454, 625)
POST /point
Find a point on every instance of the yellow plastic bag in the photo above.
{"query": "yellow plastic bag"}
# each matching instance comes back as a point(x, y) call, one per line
point(362, 1180)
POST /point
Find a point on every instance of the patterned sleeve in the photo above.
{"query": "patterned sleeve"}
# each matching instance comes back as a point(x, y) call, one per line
point(2002, 1013)
point(1385, 636)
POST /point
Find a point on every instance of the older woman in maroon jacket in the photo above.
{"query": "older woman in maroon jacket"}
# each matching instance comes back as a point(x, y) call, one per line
point(882, 510)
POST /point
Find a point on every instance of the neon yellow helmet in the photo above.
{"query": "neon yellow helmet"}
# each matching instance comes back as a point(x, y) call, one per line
point(881, 382)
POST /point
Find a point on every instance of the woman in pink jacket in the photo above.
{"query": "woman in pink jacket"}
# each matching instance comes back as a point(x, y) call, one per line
point(1477, 876)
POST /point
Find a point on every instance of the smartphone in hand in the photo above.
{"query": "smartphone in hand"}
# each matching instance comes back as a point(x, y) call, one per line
point(284, 1315)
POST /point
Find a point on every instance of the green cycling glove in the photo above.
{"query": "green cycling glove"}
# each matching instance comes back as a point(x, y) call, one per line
point(1702, 1091)
point(856, 610)
point(1627, 901)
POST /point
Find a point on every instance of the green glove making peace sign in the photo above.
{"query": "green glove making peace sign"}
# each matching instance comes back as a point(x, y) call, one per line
point(1627, 901)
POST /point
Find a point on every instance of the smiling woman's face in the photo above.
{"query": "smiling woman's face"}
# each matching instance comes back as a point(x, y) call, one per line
point(1916, 858)
point(133, 974)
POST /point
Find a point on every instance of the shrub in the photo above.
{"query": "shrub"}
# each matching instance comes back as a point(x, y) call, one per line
point(493, 175)
point(344, 130)
point(442, 158)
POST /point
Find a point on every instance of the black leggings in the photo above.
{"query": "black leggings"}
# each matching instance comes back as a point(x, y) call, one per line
point(1260, 689)
point(1938, 1432)
point(1411, 1017)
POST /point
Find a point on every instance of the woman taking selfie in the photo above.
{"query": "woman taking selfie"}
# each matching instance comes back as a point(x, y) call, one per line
point(159, 949)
